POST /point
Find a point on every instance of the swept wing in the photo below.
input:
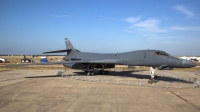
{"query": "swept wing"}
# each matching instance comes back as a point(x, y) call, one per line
point(90, 61)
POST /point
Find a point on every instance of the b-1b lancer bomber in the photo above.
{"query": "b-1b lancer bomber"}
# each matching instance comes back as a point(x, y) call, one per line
point(90, 61)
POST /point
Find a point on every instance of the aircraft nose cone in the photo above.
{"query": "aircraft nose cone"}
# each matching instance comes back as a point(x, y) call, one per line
point(188, 63)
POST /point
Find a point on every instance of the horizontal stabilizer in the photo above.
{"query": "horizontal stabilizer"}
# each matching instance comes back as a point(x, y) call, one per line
point(69, 48)
point(60, 51)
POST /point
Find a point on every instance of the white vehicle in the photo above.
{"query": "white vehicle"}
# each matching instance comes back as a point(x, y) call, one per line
point(2, 60)
point(195, 58)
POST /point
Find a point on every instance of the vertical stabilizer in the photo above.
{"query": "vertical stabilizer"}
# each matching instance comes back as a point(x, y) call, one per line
point(68, 44)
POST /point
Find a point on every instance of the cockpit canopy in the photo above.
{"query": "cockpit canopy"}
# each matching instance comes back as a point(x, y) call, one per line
point(161, 53)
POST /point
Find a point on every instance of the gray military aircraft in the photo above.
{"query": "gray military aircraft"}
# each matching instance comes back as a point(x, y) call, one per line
point(90, 61)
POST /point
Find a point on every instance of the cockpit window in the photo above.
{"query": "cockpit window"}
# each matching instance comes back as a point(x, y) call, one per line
point(164, 53)
point(161, 53)
point(156, 53)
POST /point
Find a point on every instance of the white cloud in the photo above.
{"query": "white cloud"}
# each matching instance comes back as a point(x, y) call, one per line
point(132, 19)
point(184, 10)
point(149, 25)
point(152, 30)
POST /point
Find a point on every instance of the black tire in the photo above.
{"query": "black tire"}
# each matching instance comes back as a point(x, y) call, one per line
point(86, 72)
point(91, 72)
point(100, 72)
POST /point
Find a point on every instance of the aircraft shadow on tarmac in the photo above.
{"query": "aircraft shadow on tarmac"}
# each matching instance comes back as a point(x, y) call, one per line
point(131, 74)
point(46, 76)
point(124, 74)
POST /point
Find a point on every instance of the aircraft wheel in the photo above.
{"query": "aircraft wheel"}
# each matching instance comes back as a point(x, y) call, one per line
point(86, 72)
point(100, 72)
point(91, 73)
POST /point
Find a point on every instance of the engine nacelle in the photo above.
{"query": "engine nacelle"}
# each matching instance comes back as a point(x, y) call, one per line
point(86, 66)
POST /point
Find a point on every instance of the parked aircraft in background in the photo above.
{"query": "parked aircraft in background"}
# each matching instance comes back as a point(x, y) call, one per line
point(2, 60)
point(90, 61)
point(194, 58)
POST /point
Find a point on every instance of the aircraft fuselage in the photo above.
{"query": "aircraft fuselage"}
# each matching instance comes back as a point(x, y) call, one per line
point(153, 58)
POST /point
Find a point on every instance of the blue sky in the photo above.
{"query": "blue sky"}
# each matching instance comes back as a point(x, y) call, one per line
point(101, 26)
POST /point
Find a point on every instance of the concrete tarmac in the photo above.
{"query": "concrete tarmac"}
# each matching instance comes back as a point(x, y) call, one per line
point(42, 91)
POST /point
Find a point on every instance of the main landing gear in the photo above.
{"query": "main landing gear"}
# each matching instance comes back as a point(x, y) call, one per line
point(89, 73)
point(101, 72)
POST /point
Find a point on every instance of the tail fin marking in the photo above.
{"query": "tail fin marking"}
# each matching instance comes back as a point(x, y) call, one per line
point(68, 44)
